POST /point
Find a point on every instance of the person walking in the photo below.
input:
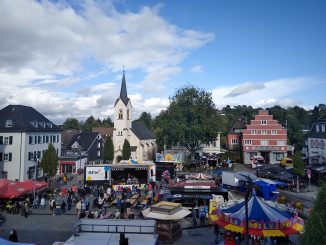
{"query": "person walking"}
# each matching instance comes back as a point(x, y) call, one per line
point(194, 217)
point(69, 202)
point(26, 209)
point(78, 207)
point(202, 215)
point(63, 207)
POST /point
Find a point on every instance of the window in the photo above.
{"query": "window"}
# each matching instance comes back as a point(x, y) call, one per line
point(274, 132)
point(30, 140)
point(8, 124)
point(263, 122)
point(317, 128)
point(98, 153)
point(98, 145)
point(6, 141)
point(264, 142)
point(43, 140)
point(47, 139)
point(279, 156)
point(281, 142)
point(7, 157)
point(35, 139)
point(264, 132)
point(120, 116)
point(128, 114)
point(254, 131)
point(247, 142)
point(323, 128)
point(234, 141)
point(39, 139)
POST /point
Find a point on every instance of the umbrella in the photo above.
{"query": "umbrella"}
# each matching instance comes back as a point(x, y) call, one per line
point(264, 219)
point(12, 189)
point(29, 184)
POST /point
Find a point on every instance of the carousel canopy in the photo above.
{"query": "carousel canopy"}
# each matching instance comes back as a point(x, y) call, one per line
point(257, 210)
point(201, 176)
point(263, 219)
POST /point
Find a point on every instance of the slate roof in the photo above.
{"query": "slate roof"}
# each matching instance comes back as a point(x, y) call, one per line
point(25, 119)
point(237, 125)
point(84, 139)
point(141, 131)
point(123, 91)
point(313, 133)
point(67, 136)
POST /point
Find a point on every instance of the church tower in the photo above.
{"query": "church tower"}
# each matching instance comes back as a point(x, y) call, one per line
point(122, 120)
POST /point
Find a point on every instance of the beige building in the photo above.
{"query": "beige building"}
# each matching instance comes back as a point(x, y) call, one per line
point(141, 139)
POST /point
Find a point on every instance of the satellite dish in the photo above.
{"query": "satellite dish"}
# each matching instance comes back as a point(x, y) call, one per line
point(245, 176)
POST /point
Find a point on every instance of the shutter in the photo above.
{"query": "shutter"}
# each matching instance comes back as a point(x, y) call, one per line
point(10, 140)
point(10, 157)
point(0, 156)
point(1, 140)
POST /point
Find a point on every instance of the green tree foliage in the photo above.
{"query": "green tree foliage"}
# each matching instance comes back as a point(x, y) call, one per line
point(89, 124)
point(71, 123)
point(108, 149)
point(146, 119)
point(315, 228)
point(298, 164)
point(190, 119)
point(126, 151)
point(107, 122)
point(49, 161)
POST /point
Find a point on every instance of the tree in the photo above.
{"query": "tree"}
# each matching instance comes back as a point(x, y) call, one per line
point(298, 167)
point(108, 149)
point(89, 124)
point(146, 119)
point(315, 228)
point(107, 122)
point(71, 123)
point(49, 161)
point(190, 119)
point(126, 151)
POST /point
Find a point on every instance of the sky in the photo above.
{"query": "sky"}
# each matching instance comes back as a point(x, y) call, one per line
point(66, 58)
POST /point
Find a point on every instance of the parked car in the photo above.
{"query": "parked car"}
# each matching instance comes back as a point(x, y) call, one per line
point(286, 162)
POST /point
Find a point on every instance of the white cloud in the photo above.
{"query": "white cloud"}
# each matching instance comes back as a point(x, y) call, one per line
point(196, 69)
point(47, 47)
point(262, 94)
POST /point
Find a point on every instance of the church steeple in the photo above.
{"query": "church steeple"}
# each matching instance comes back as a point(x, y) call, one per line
point(123, 90)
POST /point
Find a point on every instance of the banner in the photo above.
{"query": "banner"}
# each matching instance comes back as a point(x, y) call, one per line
point(97, 173)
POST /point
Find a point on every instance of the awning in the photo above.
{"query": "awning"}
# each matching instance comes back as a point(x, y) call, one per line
point(12, 189)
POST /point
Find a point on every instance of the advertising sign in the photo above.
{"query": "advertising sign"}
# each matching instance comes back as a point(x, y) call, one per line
point(97, 173)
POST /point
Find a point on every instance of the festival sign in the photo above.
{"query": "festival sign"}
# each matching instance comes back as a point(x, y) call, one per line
point(97, 173)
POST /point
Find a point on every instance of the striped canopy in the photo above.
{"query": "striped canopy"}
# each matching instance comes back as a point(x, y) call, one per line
point(264, 219)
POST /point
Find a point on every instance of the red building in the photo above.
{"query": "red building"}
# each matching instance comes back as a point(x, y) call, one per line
point(265, 137)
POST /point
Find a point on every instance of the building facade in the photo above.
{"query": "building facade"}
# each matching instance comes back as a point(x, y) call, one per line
point(24, 137)
point(141, 139)
point(234, 138)
point(316, 142)
point(265, 137)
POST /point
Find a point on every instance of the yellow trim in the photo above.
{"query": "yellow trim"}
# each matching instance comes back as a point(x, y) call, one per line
point(233, 228)
point(273, 233)
point(213, 217)
point(298, 227)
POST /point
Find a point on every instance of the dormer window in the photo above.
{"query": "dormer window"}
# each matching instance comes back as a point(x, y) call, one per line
point(317, 128)
point(120, 116)
point(8, 123)
point(263, 122)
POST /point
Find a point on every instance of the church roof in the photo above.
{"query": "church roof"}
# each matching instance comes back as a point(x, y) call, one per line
point(123, 91)
point(141, 131)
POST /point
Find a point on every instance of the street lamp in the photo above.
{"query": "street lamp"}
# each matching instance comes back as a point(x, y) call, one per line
point(248, 178)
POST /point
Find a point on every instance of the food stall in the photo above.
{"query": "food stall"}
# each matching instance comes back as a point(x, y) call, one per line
point(168, 216)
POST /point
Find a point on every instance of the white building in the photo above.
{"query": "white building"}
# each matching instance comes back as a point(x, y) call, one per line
point(141, 139)
point(24, 137)
point(316, 142)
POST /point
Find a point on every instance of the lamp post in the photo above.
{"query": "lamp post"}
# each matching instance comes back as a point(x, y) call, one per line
point(248, 178)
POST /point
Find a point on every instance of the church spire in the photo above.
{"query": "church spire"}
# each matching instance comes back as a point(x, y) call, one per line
point(123, 90)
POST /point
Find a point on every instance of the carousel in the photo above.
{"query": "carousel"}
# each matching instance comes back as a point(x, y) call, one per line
point(264, 219)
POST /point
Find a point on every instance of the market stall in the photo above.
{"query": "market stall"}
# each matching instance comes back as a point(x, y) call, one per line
point(168, 216)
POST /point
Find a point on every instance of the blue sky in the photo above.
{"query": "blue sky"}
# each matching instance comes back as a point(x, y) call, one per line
point(65, 58)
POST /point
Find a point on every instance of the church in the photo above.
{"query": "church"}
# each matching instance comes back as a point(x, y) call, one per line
point(141, 139)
